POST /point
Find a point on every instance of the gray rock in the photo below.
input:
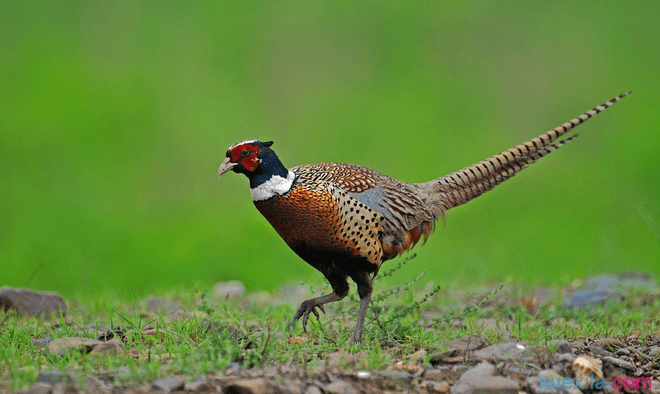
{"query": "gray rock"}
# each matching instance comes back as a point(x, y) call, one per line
point(54, 377)
point(113, 347)
point(438, 374)
point(467, 344)
point(39, 388)
point(583, 299)
point(313, 390)
point(620, 363)
point(339, 387)
point(565, 358)
point(93, 384)
point(503, 351)
point(518, 369)
point(488, 384)
point(234, 288)
point(435, 387)
point(599, 352)
point(249, 386)
point(198, 385)
point(61, 346)
point(291, 387)
point(169, 384)
point(483, 369)
point(397, 376)
point(561, 346)
point(234, 369)
point(610, 343)
point(32, 303)
point(653, 351)
point(623, 352)
point(628, 280)
point(602, 282)
point(603, 288)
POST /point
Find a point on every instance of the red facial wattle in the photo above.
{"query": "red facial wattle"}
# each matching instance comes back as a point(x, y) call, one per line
point(249, 159)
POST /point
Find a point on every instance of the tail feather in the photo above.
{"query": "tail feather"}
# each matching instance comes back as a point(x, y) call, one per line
point(462, 186)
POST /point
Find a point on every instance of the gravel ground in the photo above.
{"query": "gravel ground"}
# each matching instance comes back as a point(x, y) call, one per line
point(468, 365)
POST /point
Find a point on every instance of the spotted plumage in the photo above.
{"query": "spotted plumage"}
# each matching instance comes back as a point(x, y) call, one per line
point(345, 220)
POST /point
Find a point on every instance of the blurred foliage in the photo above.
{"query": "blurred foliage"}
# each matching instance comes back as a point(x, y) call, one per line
point(115, 116)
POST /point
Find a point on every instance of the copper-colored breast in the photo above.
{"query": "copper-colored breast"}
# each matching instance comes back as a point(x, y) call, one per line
point(322, 219)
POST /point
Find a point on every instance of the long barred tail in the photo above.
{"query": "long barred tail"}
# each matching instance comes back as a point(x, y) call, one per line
point(462, 186)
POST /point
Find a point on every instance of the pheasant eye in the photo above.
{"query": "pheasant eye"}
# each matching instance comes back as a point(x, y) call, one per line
point(244, 152)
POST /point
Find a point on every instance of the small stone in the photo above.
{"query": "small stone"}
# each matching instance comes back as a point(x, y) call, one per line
point(584, 366)
point(397, 376)
point(169, 384)
point(95, 385)
point(60, 346)
point(417, 357)
point(32, 303)
point(39, 388)
point(561, 346)
point(468, 344)
point(200, 384)
point(249, 386)
point(231, 289)
point(313, 390)
point(439, 374)
point(54, 377)
point(503, 351)
point(113, 347)
point(610, 343)
point(482, 370)
point(638, 281)
point(623, 352)
point(339, 387)
point(599, 352)
point(234, 369)
point(488, 384)
point(653, 351)
point(620, 363)
point(436, 387)
point(518, 369)
point(565, 358)
point(582, 299)
point(605, 282)
point(363, 374)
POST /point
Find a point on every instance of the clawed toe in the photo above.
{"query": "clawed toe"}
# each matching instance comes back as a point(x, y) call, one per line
point(304, 310)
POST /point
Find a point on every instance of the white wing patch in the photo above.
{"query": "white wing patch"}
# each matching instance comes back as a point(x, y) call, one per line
point(275, 185)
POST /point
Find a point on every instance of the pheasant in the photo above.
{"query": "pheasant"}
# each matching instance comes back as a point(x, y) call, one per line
point(345, 220)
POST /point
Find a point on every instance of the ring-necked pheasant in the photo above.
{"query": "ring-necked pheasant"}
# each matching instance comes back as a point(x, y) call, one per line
point(345, 220)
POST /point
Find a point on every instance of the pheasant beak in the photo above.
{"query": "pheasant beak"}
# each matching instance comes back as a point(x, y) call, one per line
point(226, 166)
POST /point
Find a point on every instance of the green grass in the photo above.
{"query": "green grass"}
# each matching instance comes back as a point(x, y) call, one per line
point(202, 344)
point(114, 117)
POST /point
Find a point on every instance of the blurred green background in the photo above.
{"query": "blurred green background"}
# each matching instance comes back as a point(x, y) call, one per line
point(116, 114)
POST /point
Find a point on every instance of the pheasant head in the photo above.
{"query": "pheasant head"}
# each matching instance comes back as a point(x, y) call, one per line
point(261, 165)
